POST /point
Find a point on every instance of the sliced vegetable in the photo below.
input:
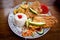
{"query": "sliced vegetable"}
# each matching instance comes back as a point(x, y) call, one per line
point(27, 23)
point(32, 35)
point(32, 10)
point(37, 23)
point(40, 32)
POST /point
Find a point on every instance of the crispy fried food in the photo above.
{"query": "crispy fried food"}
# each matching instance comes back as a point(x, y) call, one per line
point(24, 6)
point(29, 14)
point(36, 6)
point(21, 10)
point(33, 27)
point(38, 19)
point(50, 20)
point(15, 11)
point(27, 33)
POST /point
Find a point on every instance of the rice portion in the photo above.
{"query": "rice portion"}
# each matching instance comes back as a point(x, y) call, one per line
point(20, 22)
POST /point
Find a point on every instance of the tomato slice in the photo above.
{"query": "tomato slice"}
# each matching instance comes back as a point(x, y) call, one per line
point(44, 8)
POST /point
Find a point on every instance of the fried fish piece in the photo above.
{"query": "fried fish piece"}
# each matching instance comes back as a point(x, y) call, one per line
point(29, 14)
point(36, 6)
point(50, 20)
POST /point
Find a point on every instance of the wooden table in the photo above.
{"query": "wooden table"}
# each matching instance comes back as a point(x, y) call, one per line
point(7, 34)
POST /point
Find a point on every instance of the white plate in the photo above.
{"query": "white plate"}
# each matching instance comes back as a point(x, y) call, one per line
point(17, 30)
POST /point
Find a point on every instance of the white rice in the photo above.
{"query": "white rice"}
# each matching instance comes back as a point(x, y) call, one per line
point(20, 22)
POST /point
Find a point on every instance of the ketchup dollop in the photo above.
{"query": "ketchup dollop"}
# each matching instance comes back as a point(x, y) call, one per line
point(44, 8)
point(19, 16)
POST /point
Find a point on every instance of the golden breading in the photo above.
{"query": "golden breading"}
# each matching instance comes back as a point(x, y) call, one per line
point(29, 14)
point(33, 27)
point(21, 10)
point(36, 6)
point(50, 20)
point(38, 19)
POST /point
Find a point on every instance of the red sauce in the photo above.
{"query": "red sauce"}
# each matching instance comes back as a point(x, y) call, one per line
point(19, 16)
point(44, 8)
point(38, 29)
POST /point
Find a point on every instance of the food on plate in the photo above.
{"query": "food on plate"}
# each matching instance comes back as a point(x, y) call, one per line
point(49, 20)
point(28, 16)
point(27, 33)
point(24, 6)
point(19, 19)
point(44, 9)
point(35, 12)
point(40, 32)
point(36, 6)
point(36, 23)
point(15, 11)
point(27, 23)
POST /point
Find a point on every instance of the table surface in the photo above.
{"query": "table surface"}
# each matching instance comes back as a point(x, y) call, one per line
point(7, 34)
